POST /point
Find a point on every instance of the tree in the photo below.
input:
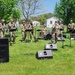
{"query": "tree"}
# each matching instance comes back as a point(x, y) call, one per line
point(42, 18)
point(16, 13)
point(29, 7)
point(6, 9)
point(65, 10)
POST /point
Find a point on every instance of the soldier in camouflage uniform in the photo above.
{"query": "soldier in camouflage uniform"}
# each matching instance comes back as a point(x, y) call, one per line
point(55, 32)
point(11, 26)
point(44, 30)
point(23, 30)
point(71, 26)
point(30, 26)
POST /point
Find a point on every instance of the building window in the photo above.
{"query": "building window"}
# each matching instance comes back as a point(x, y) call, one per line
point(50, 22)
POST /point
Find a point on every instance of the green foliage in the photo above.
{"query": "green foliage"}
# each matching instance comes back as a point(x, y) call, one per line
point(65, 10)
point(42, 18)
point(6, 9)
point(16, 13)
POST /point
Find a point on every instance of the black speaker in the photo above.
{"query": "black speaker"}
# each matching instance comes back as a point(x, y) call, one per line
point(60, 38)
point(48, 37)
point(42, 54)
point(50, 47)
point(4, 50)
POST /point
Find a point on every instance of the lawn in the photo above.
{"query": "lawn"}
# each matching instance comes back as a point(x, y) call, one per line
point(23, 59)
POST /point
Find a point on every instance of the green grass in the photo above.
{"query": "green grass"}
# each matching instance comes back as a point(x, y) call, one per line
point(22, 63)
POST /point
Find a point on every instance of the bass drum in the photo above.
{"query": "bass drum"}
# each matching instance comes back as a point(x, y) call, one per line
point(48, 37)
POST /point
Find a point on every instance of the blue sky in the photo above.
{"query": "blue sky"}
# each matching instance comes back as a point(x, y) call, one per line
point(49, 5)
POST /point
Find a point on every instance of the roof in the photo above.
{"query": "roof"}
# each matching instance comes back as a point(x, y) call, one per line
point(52, 18)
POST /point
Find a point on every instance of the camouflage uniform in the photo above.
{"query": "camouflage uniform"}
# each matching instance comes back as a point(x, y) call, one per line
point(71, 26)
point(11, 25)
point(1, 31)
point(30, 26)
point(43, 34)
point(23, 30)
point(55, 32)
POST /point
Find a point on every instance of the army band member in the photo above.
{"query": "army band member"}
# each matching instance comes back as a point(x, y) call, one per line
point(30, 26)
point(11, 26)
point(55, 32)
point(23, 30)
point(61, 25)
point(43, 33)
point(71, 26)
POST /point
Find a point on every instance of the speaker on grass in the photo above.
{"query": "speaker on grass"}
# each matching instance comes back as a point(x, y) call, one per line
point(60, 38)
point(50, 47)
point(42, 54)
point(4, 50)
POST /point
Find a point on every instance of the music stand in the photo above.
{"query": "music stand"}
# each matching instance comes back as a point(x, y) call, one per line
point(69, 39)
point(13, 29)
point(29, 30)
point(38, 30)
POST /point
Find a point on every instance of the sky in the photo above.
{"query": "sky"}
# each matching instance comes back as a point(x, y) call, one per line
point(49, 5)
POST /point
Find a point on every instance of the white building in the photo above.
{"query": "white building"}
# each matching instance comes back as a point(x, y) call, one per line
point(36, 23)
point(51, 21)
